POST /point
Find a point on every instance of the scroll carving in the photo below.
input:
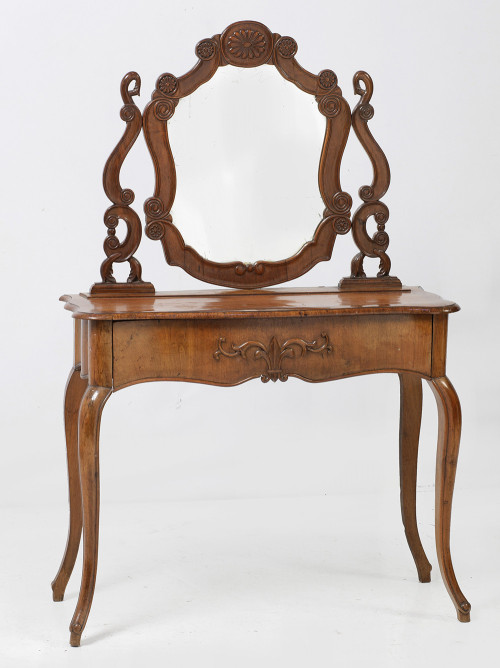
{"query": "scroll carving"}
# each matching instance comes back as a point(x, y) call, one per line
point(247, 44)
point(274, 353)
point(362, 113)
point(375, 246)
point(115, 250)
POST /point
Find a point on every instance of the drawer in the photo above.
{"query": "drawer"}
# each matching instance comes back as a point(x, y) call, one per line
point(231, 351)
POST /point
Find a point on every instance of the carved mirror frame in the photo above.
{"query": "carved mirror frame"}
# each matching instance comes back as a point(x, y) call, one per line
point(247, 44)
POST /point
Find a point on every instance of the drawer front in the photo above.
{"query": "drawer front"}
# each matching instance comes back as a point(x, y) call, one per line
point(228, 352)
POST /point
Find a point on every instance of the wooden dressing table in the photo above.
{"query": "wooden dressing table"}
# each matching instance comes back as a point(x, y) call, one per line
point(128, 333)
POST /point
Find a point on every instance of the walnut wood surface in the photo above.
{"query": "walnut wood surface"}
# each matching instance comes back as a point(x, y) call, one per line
point(247, 44)
point(243, 44)
point(127, 333)
point(75, 390)
point(122, 251)
point(192, 350)
point(371, 195)
point(439, 340)
point(409, 432)
point(84, 348)
point(225, 337)
point(259, 303)
point(88, 429)
point(449, 430)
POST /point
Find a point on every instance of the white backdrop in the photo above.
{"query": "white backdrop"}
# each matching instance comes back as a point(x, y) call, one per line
point(436, 101)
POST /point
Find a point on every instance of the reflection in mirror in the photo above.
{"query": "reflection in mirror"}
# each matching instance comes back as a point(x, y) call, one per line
point(246, 147)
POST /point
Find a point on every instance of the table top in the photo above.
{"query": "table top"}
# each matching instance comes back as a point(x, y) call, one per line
point(280, 302)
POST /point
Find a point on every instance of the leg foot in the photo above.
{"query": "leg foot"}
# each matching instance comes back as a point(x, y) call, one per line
point(74, 639)
point(464, 615)
point(88, 446)
point(409, 433)
point(450, 426)
point(75, 389)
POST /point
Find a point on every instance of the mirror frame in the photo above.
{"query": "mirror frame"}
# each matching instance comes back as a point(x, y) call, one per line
point(247, 44)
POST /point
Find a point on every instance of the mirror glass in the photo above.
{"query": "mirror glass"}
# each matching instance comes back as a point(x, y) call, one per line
point(246, 147)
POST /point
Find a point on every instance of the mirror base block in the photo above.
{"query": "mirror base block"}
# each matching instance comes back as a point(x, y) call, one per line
point(134, 289)
point(363, 284)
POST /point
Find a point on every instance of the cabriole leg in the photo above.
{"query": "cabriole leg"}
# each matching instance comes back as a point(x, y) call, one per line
point(75, 389)
point(450, 425)
point(88, 445)
point(409, 433)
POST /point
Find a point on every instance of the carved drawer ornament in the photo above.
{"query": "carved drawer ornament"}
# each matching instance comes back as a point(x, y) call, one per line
point(274, 353)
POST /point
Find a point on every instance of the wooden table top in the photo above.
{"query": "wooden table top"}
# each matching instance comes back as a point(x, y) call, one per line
point(281, 302)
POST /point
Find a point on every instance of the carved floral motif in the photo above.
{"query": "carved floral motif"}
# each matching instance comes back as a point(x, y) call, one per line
point(287, 47)
point(342, 225)
point(327, 79)
point(205, 49)
point(167, 84)
point(246, 44)
point(274, 353)
point(155, 230)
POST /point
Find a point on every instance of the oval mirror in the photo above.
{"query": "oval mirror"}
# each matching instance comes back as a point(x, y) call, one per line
point(246, 147)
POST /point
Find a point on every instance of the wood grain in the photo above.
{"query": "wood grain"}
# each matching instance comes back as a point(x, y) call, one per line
point(84, 348)
point(223, 338)
point(409, 433)
point(88, 433)
point(100, 353)
point(439, 344)
point(247, 44)
point(127, 333)
point(121, 210)
point(185, 349)
point(276, 303)
point(75, 389)
point(449, 430)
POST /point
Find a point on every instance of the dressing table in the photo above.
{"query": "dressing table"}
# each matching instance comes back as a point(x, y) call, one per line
point(246, 328)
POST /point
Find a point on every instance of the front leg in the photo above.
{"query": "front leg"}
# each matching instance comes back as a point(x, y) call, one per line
point(409, 433)
point(450, 426)
point(75, 389)
point(88, 446)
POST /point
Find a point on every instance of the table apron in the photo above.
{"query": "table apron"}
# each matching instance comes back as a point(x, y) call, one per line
point(231, 351)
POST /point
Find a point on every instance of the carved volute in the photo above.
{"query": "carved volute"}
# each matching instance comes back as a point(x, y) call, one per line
point(248, 44)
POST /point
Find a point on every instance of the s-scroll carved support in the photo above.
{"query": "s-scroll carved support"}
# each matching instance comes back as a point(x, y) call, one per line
point(274, 353)
point(375, 246)
point(116, 250)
